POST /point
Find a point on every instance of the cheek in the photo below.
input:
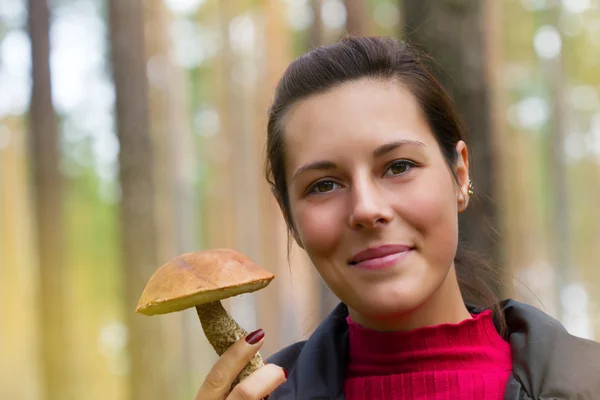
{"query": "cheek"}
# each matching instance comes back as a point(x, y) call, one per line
point(319, 227)
point(435, 216)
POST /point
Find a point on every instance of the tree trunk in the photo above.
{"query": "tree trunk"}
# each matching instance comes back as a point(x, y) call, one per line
point(357, 17)
point(558, 217)
point(173, 167)
point(18, 275)
point(316, 28)
point(47, 186)
point(242, 181)
point(148, 376)
point(453, 33)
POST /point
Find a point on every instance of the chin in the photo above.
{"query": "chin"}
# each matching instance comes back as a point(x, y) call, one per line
point(388, 302)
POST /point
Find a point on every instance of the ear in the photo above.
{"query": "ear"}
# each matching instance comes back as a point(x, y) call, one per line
point(462, 173)
point(288, 223)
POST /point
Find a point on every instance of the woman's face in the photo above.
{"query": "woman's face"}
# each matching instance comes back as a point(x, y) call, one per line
point(373, 201)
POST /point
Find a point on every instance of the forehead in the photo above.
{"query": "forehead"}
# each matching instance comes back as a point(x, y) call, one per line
point(365, 113)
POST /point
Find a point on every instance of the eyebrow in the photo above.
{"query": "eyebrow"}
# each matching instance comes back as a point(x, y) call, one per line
point(386, 148)
point(324, 165)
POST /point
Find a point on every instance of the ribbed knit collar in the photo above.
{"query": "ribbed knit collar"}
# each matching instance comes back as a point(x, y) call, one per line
point(472, 344)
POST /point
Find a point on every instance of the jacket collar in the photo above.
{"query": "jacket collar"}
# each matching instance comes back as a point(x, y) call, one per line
point(320, 368)
point(549, 362)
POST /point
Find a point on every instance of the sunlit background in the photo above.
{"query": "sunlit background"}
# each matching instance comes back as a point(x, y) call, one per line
point(210, 71)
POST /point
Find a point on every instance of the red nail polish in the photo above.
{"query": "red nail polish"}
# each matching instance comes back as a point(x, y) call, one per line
point(285, 373)
point(255, 336)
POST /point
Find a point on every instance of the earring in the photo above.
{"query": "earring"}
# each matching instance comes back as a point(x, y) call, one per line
point(471, 188)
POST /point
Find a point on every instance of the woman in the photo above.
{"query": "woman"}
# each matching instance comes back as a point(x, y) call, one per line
point(368, 162)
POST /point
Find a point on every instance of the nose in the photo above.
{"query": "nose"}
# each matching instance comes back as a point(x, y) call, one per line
point(369, 208)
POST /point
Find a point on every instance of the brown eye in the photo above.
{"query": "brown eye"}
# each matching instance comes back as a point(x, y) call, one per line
point(323, 187)
point(399, 168)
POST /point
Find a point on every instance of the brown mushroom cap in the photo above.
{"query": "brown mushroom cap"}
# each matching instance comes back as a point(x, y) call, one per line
point(201, 277)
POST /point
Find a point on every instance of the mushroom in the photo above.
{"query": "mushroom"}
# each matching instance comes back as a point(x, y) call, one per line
point(202, 279)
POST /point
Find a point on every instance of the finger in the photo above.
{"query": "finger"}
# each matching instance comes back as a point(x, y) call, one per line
point(260, 384)
point(218, 381)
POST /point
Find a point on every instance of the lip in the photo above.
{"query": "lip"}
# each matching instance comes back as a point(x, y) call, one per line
point(379, 257)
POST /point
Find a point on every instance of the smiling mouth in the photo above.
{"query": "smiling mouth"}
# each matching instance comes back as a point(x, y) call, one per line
point(380, 257)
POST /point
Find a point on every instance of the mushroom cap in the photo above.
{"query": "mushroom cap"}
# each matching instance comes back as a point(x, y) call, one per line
point(201, 277)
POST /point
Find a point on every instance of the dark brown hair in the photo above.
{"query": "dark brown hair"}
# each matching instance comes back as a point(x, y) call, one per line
point(353, 58)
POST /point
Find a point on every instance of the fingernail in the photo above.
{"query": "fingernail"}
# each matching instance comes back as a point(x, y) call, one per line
point(255, 336)
point(285, 373)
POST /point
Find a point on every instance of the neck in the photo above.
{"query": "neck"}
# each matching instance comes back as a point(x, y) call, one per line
point(444, 306)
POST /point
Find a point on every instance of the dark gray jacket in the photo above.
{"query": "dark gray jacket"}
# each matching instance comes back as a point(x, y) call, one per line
point(548, 362)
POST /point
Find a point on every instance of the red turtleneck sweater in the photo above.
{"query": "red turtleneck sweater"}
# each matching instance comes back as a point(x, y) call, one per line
point(466, 361)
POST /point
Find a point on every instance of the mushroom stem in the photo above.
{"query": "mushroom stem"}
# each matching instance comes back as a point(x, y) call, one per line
point(222, 331)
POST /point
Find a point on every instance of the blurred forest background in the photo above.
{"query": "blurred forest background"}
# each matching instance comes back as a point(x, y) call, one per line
point(132, 131)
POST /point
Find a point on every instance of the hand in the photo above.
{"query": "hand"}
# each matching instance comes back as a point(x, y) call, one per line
point(258, 385)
